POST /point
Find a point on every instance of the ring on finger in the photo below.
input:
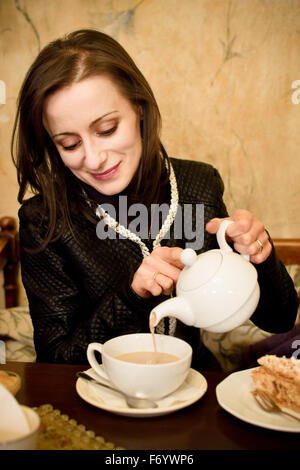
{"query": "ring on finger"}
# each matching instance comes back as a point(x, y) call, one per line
point(260, 245)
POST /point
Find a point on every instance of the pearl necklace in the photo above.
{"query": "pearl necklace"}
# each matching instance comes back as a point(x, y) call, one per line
point(112, 223)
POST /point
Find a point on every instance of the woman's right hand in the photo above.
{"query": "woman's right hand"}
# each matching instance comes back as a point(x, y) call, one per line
point(158, 273)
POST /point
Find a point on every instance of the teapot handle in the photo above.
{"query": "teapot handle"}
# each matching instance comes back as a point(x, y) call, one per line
point(222, 239)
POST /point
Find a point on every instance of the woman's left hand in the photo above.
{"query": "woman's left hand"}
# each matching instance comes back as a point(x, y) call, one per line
point(247, 233)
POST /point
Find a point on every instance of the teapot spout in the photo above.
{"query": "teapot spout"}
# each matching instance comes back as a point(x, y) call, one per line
point(176, 307)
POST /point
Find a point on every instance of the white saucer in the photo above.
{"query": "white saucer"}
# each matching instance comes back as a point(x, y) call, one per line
point(234, 395)
point(193, 388)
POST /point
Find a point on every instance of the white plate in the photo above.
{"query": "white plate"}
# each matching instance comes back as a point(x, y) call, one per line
point(234, 395)
point(193, 388)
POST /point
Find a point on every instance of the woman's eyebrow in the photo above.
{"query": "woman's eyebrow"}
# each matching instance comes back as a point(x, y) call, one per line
point(91, 125)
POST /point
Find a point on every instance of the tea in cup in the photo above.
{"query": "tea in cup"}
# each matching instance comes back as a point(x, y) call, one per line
point(131, 365)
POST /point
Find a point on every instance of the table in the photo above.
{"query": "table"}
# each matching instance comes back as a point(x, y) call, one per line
point(203, 425)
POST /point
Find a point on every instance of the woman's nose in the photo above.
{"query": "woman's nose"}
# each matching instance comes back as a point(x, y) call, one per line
point(94, 156)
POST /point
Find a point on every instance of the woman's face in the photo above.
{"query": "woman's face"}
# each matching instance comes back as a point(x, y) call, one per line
point(96, 131)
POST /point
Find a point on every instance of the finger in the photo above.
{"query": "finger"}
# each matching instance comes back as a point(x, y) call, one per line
point(152, 278)
point(166, 269)
point(166, 283)
point(263, 255)
point(169, 255)
point(260, 243)
point(157, 284)
point(236, 229)
point(143, 280)
point(213, 225)
point(254, 247)
point(255, 231)
point(243, 222)
point(155, 263)
point(155, 289)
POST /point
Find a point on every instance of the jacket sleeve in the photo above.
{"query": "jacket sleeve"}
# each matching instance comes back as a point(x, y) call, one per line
point(64, 319)
point(278, 305)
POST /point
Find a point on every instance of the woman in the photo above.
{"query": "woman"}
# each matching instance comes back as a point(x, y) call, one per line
point(87, 138)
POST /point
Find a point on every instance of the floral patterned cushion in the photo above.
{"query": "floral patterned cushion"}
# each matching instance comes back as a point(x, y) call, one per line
point(16, 334)
point(227, 347)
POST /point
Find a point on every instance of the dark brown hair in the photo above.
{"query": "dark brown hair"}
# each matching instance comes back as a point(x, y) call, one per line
point(76, 56)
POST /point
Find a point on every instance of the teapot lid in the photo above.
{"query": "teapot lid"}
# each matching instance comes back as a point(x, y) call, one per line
point(198, 269)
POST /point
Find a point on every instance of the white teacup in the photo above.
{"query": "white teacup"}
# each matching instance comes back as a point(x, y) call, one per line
point(151, 381)
point(23, 442)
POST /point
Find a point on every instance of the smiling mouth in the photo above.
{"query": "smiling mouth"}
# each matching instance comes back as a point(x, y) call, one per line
point(107, 174)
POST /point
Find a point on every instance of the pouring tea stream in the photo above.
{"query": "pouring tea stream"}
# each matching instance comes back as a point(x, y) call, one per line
point(216, 290)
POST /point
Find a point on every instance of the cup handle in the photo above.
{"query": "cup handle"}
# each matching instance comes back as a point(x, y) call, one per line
point(222, 240)
point(92, 347)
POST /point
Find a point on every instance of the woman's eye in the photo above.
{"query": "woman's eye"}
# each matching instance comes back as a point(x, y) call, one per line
point(103, 133)
point(70, 147)
point(107, 131)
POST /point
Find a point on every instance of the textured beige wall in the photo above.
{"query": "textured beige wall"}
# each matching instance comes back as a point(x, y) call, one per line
point(222, 72)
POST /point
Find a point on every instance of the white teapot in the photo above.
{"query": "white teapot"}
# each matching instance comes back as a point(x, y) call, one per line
point(216, 290)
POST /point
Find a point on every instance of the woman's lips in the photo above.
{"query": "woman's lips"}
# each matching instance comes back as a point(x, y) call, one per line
point(105, 175)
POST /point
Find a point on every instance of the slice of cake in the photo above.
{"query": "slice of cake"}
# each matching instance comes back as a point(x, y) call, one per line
point(279, 379)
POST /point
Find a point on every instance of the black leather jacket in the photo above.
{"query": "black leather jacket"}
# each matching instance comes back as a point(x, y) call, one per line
point(79, 291)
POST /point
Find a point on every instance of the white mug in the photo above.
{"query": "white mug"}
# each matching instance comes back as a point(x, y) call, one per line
point(151, 381)
point(28, 441)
